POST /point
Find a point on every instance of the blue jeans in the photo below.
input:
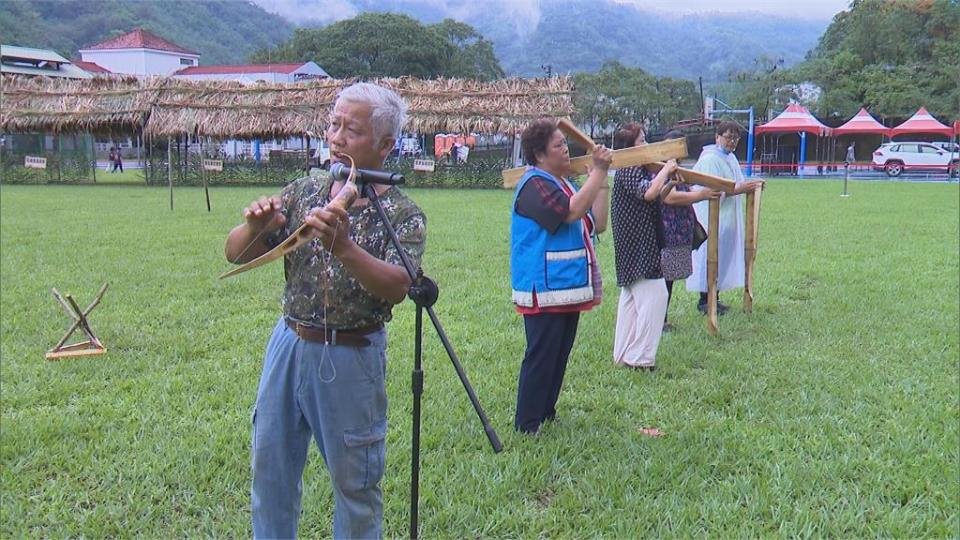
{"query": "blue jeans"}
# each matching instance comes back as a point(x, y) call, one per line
point(337, 395)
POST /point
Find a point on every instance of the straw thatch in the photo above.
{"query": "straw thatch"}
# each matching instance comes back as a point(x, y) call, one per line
point(162, 107)
point(43, 104)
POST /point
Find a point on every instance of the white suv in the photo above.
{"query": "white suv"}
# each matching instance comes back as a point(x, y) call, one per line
point(896, 157)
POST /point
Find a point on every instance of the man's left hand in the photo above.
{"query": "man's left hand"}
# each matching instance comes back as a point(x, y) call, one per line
point(331, 225)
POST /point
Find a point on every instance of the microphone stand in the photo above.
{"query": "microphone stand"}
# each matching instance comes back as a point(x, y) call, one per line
point(424, 292)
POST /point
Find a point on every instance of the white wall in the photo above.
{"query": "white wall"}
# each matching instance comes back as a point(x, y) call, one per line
point(140, 62)
point(246, 78)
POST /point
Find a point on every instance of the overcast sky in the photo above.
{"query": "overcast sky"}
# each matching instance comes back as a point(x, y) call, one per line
point(300, 11)
point(808, 9)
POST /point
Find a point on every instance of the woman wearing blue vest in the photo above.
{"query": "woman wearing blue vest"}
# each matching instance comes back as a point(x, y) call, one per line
point(554, 270)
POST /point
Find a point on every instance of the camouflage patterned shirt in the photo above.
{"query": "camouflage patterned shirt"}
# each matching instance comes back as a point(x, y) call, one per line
point(319, 290)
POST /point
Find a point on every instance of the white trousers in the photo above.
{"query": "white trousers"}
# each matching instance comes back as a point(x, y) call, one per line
point(640, 314)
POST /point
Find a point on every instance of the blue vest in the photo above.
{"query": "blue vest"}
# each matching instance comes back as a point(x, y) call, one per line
point(554, 265)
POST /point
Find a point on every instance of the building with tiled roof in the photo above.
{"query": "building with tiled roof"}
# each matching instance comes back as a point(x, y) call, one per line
point(91, 67)
point(30, 61)
point(140, 52)
point(252, 73)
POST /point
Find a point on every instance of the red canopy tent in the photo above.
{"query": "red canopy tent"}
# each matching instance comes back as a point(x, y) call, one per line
point(922, 122)
point(795, 118)
point(862, 123)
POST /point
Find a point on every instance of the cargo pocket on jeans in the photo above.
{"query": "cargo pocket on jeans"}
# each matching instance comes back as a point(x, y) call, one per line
point(365, 455)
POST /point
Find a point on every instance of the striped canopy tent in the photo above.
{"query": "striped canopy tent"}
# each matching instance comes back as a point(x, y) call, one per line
point(922, 122)
point(860, 128)
point(795, 119)
point(862, 123)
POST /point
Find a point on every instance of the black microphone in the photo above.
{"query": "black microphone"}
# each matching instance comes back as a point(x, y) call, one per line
point(370, 176)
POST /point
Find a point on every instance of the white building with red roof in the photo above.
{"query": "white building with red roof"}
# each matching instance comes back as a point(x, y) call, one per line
point(253, 73)
point(140, 52)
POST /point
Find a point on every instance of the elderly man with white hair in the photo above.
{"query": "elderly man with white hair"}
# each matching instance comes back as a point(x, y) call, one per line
point(325, 364)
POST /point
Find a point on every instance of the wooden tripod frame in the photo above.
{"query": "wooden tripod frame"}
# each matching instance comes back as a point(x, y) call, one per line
point(749, 257)
point(84, 348)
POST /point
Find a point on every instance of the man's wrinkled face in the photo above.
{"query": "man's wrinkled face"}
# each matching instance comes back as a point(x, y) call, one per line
point(351, 133)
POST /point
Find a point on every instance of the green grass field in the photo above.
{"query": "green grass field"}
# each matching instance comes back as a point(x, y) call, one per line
point(831, 411)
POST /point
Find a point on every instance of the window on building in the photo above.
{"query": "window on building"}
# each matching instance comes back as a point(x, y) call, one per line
point(186, 61)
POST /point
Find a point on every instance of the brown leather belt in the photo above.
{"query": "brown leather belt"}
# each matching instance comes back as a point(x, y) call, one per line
point(353, 337)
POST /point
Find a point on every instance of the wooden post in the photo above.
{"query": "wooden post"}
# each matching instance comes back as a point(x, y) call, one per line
point(93, 152)
point(59, 157)
point(306, 139)
point(750, 249)
point(749, 252)
point(712, 263)
point(148, 164)
point(143, 157)
point(170, 170)
point(203, 175)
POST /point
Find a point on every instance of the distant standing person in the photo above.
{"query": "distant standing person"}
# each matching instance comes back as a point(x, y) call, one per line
point(851, 155)
point(719, 160)
point(111, 159)
point(117, 161)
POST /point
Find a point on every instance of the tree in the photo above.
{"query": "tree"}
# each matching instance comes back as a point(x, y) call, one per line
point(767, 86)
point(391, 45)
point(618, 94)
point(474, 57)
point(891, 56)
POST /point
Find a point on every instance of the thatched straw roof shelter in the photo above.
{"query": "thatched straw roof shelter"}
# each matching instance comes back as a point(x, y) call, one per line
point(100, 104)
point(162, 107)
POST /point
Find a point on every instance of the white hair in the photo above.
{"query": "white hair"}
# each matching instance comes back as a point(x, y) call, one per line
point(388, 111)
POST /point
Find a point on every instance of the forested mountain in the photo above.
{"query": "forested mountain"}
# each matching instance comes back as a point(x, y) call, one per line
point(580, 35)
point(223, 31)
point(889, 56)
point(568, 35)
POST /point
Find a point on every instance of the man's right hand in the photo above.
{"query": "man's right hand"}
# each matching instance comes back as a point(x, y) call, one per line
point(265, 214)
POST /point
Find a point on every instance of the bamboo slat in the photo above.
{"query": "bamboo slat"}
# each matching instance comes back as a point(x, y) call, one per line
point(712, 264)
point(627, 157)
point(750, 248)
point(690, 176)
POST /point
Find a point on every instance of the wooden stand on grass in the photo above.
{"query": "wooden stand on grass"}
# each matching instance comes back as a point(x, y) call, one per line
point(750, 249)
point(712, 266)
point(84, 348)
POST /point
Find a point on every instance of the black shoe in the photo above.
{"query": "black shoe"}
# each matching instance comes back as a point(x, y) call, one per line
point(651, 369)
point(721, 308)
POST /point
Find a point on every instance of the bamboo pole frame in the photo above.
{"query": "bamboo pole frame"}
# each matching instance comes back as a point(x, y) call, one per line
point(750, 248)
point(712, 266)
point(170, 171)
point(627, 157)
